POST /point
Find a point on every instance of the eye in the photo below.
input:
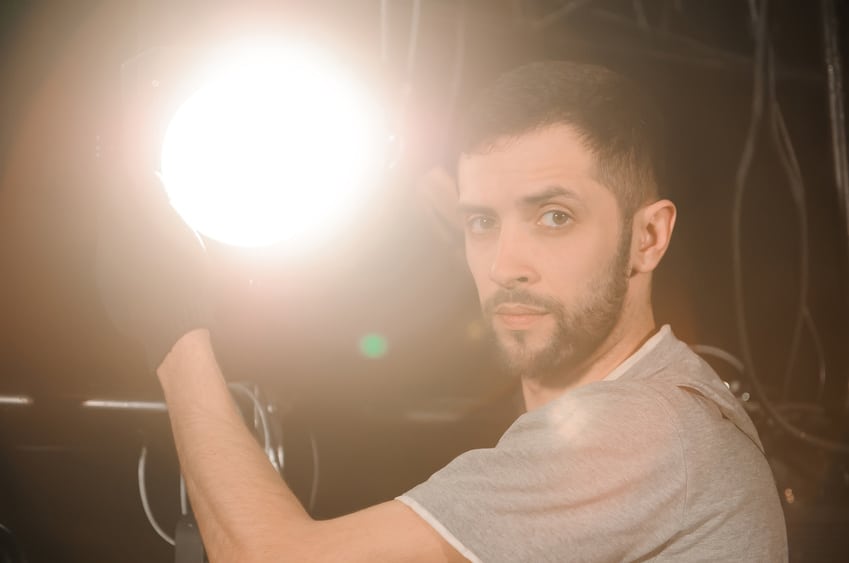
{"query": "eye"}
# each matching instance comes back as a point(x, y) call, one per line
point(480, 224)
point(555, 218)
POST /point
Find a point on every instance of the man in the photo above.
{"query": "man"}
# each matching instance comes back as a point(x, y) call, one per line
point(631, 449)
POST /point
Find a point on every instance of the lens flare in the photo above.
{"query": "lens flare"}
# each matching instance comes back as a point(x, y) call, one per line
point(373, 346)
point(276, 145)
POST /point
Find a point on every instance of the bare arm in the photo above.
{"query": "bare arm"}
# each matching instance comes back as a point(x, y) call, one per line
point(245, 511)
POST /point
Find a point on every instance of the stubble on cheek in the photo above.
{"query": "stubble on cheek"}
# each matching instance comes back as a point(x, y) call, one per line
point(559, 345)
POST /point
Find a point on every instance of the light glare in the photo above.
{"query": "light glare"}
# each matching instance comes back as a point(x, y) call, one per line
point(274, 146)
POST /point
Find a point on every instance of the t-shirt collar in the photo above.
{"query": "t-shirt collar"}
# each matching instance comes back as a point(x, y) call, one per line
point(641, 353)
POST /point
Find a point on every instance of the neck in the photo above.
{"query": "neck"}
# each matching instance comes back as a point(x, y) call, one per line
point(627, 336)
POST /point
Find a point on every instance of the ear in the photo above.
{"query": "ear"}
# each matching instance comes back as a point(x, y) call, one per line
point(652, 231)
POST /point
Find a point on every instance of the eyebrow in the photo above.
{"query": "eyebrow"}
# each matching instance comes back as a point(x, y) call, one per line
point(547, 193)
point(532, 200)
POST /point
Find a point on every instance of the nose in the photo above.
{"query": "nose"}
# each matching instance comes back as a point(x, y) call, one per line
point(512, 264)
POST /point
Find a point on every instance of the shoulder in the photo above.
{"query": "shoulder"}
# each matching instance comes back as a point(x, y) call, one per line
point(591, 432)
point(604, 459)
point(607, 410)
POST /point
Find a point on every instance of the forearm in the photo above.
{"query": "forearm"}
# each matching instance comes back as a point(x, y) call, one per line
point(153, 282)
point(238, 498)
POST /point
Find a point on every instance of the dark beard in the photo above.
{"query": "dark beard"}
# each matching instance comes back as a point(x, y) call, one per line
point(578, 333)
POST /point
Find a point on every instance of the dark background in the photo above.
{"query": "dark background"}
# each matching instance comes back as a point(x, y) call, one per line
point(72, 124)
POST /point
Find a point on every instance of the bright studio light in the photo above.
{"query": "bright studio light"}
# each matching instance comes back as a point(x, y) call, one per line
point(275, 145)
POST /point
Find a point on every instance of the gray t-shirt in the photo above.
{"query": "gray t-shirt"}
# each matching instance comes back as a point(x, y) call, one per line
point(658, 461)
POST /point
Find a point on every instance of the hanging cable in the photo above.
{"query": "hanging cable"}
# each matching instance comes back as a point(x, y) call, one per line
point(727, 357)
point(821, 371)
point(787, 156)
point(785, 408)
point(145, 505)
point(274, 452)
point(314, 485)
point(761, 72)
point(706, 350)
point(259, 410)
point(837, 114)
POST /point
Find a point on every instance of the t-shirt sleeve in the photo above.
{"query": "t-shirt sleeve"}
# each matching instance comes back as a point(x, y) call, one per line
point(595, 475)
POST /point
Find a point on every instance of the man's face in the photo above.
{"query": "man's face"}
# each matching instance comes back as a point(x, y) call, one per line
point(546, 245)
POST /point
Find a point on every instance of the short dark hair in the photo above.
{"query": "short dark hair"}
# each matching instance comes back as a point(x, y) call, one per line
point(616, 120)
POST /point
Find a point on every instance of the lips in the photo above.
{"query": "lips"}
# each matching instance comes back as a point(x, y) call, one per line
point(518, 317)
point(517, 309)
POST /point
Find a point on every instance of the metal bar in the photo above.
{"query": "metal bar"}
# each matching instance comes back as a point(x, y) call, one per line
point(15, 400)
point(112, 404)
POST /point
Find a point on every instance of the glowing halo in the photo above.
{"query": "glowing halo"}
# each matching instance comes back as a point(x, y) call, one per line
point(277, 144)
